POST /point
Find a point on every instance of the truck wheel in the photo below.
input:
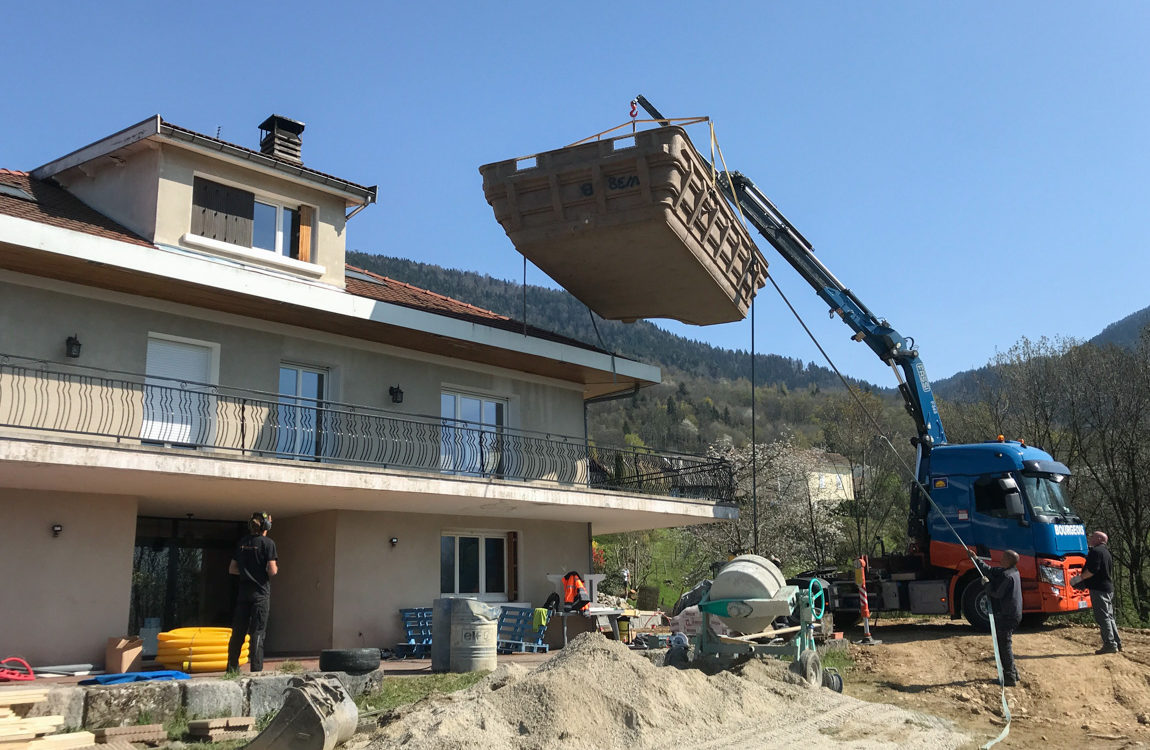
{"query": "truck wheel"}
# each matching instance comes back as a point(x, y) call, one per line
point(976, 605)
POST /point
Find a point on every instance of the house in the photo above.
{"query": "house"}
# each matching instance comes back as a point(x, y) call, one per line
point(829, 479)
point(182, 344)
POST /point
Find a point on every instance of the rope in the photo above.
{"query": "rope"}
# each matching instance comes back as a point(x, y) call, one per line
point(922, 489)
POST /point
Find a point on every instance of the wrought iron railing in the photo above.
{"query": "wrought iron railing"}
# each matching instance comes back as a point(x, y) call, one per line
point(56, 397)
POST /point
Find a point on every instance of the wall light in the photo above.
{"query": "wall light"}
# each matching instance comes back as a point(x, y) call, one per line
point(396, 394)
point(394, 541)
point(56, 529)
point(72, 346)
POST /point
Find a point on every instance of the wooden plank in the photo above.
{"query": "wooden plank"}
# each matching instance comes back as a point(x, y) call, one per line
point(752, 636)
point(37, 724)
point(20, 696)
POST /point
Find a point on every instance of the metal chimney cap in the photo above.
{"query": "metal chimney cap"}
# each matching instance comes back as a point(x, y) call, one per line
point(279, 122)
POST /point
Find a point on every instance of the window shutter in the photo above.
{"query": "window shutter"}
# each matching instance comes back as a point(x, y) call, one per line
point(241, 210)
point(302, 227)
point(222, 213)
point(512, 566)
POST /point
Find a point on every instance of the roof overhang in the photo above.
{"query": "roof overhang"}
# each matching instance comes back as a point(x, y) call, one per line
point(208, 282)
point(155, 129)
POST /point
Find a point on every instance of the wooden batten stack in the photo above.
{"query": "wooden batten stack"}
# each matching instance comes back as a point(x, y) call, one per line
point(18, 731)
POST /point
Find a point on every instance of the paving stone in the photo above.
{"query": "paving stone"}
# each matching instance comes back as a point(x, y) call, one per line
point(360, 684)
point(212, 698)
point(62, 701)
point(266, 694)
point(124, 705)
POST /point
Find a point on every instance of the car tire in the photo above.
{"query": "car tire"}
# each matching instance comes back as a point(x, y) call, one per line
point(350, 660)
point(976, 605)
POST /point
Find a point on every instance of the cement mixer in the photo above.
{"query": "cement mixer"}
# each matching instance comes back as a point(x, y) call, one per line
point(750, 595)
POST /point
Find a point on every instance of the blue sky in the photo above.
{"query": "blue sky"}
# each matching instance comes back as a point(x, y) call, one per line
point(975, 172)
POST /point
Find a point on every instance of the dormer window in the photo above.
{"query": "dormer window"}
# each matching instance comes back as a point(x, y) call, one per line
point(240, 217)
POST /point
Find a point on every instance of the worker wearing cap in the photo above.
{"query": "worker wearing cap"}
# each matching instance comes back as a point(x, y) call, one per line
point(1097, 575)
point(1004, 587)
point(255, 562)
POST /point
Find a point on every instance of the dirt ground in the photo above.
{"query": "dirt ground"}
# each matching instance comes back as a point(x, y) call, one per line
point(1067, 697)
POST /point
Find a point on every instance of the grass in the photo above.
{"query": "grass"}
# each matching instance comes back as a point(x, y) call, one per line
point(177, 724)
point(291, 667)
point(400, 691)
point(839, 659)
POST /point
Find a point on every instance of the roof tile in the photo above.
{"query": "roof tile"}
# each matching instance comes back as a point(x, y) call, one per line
point(57, 207)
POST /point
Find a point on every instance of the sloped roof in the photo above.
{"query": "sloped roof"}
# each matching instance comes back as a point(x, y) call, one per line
point(385, 289)
point(53, 205)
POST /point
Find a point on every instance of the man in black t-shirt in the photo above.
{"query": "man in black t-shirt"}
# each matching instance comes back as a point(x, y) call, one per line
point(1097, 576)
point(255, 562)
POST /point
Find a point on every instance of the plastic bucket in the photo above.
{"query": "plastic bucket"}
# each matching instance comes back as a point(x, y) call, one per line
point(473, 636)
point(441, 634)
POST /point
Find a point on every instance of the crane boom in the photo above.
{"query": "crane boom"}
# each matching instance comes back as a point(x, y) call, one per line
point(891, 347)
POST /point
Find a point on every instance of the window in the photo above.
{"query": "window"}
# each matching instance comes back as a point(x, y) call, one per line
point(989, 497)
point(178, 406)
point(472, 438)
point(300, 433)
point(238, 217)
point(475, 563)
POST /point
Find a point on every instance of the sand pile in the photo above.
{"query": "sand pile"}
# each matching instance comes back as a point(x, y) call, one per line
point(598, 694)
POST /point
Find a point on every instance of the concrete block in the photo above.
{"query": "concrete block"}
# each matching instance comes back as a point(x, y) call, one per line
point(360, 684)
point(266, 694)
point(123, 705)
point(208, 699)
point(62, 701)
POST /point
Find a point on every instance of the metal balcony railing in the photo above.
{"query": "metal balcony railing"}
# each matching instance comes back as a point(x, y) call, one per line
point(126, 407)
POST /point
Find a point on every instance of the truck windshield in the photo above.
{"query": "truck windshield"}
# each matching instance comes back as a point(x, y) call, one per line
point(1046, 496)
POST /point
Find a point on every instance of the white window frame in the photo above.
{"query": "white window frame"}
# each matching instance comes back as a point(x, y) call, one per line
point(482, 535)
point(319, 427)
point(447, 465)
point(280, 207)
point(213, 349)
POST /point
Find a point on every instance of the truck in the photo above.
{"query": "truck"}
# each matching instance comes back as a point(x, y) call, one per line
point(995, 495)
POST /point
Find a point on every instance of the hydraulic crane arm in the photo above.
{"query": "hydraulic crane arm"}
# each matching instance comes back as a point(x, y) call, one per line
point(891, 347)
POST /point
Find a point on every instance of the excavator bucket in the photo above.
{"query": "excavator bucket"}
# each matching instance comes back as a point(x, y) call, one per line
point(317, 714)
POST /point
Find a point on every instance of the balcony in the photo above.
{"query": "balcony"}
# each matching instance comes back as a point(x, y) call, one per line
point(51, 398)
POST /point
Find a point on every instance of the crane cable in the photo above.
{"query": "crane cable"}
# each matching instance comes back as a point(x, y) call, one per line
point(854, 394)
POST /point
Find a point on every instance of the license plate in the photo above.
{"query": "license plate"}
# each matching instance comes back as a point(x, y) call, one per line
point(1083, 604)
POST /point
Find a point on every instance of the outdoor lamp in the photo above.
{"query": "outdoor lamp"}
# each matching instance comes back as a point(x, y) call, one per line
point(394, 541)
point(56, 529)
point(396, 394)
point(72, 346)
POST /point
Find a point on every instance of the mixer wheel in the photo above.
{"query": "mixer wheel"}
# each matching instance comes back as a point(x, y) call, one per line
point(810, 667)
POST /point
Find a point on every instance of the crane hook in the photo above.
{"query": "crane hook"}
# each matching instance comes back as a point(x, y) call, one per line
point(634, 109)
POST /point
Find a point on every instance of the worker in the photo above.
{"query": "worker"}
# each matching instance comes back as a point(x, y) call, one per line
point(255, 562)
point(1097, 576)
point(1004, 587)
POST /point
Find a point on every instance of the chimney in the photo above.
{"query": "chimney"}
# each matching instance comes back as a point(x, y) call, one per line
point(279, 137)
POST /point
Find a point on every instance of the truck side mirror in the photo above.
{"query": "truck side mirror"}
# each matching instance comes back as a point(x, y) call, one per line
point(1007, 484)
point(1014, 505)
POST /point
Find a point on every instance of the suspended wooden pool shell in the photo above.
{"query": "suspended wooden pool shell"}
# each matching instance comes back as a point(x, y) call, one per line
point(632, 226)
